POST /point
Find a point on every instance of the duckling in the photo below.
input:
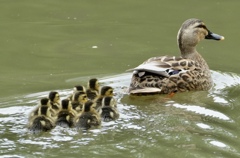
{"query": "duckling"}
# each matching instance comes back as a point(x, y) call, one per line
point(79, 99)
point(77, 88)
point(93, 88)
point(66, 117)
point(55, 100)
point(166, 74)
point(43, 102)
point(108, 111)
point(106, 91)
point(43, 121)
point(89, 117)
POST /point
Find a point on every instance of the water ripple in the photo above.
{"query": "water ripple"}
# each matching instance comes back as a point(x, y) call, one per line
point(181, 122)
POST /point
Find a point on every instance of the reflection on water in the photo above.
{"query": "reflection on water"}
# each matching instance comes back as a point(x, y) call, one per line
point(181, 126)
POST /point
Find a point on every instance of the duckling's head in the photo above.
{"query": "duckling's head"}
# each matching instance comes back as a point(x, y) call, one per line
point(45, 101)
point(109, 101)
point(93, 84)
point(79, 88)
point(106, 91)
point(66, 104)
point(80, 97)
point(54, 97)
point(108, 111)
point(45, 110)
point(193, 31)
point(89, 106)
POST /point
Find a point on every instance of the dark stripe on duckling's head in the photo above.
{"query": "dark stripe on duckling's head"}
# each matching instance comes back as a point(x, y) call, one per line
point(76, 96)
point(52, 95)
point(107, 101)
point(65, 104)
point(88, 105)
point(44, 101)
point(79, 88)
point(106, 89)
point(92, 83)
point(44, 110)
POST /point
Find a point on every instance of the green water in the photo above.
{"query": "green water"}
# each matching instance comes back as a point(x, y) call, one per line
point(54, 45)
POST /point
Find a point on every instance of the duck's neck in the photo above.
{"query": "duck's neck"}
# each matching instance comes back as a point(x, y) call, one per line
point(188, 52)
point(191, 53)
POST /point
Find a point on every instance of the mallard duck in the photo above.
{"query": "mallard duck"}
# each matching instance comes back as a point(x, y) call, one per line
point(93, 88)
point(106, 91)
point(55, 100)
point(77, 88)
point(167, 74)
point(89, 117)
point(108, 111)
point(66, 117)
point(79, 99)
point(43, 121)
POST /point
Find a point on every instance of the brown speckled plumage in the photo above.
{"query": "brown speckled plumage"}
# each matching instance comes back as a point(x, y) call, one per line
point(176, 74)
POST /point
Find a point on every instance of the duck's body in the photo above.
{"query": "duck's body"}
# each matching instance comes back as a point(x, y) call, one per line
point(43, 121)
point(176, 74)
point(89, 117)
point(66, 117)
point(93, 89)
point(108, 111)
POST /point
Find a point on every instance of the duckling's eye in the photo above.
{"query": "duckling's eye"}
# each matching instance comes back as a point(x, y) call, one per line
point(110, 91)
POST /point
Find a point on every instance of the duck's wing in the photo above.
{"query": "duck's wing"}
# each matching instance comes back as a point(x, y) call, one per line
point(165, 66)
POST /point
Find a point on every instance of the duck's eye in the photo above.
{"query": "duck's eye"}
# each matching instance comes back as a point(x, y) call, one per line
point(201, 26)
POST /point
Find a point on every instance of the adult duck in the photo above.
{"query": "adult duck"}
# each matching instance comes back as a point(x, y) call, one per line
point(167, 74)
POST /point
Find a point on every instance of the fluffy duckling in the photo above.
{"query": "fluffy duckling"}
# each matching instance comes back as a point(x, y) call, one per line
point(43, 121)
point(78, 100)
point(108, 111)
point(66, 117)
point(106, 91)
point(93, 88)
point(43, 102)
point(77, 88)
point(55, 100)
point(89, 117)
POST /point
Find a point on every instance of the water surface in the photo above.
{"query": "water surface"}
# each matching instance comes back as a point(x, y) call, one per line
point(54, 45)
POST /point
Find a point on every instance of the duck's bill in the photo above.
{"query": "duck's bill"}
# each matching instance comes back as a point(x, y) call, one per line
point(214, 36)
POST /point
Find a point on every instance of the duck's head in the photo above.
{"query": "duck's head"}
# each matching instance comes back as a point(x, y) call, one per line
point(106, 91)
point(45, 111)
point(66, 104)
point(79, 88)
point(109, 101)
point(93, 84)
point(89, 106)
point(45, 101)
point(80, 97)
point(54, 97)
point(193, 31)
